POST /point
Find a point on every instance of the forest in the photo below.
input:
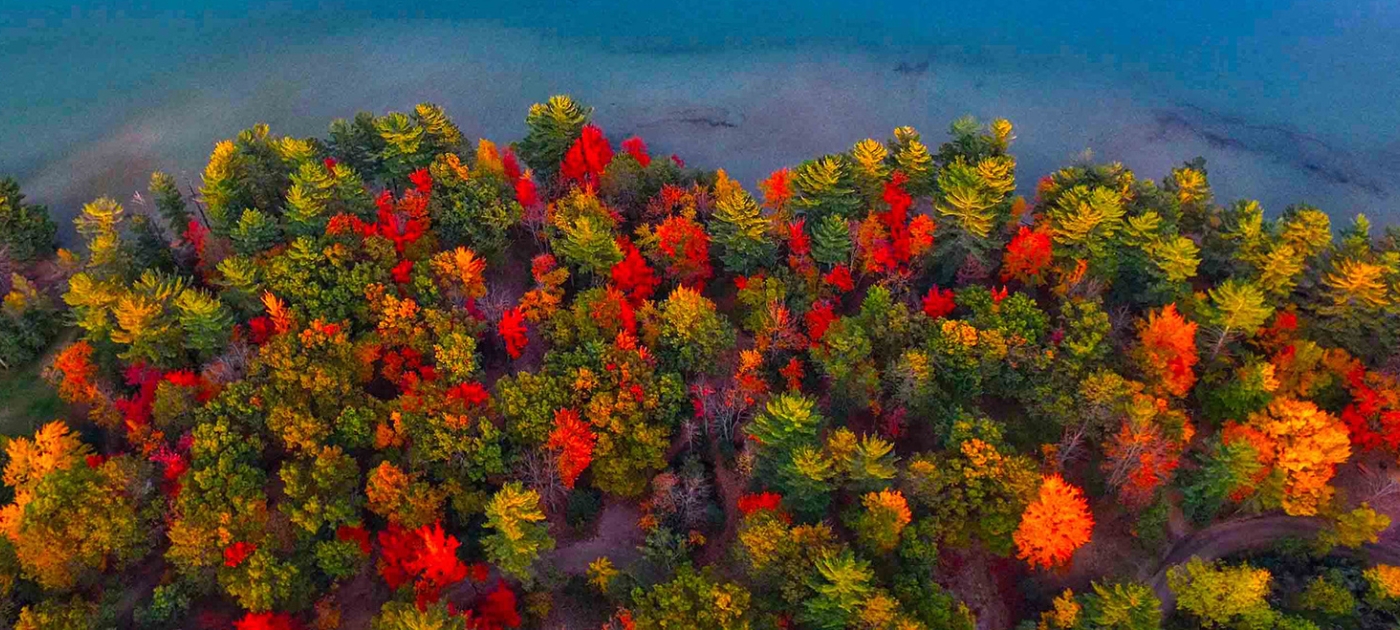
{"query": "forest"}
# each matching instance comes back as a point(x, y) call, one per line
point(392, 378)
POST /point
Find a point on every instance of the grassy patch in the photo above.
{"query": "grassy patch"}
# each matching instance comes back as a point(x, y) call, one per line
point(26, 400)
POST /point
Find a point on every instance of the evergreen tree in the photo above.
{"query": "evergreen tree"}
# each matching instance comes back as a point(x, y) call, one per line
point(553, 127)
point(739, 229)
point(25, 229)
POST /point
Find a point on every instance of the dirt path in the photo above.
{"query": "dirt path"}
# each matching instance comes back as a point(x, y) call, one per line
point(617, 538)
point(1235, 536)
point(729, 492)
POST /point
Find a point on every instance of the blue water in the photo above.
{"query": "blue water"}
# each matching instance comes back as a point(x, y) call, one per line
point(1288, 101)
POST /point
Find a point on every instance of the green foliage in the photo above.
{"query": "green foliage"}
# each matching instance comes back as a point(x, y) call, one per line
point(168, 606)
point(518, 534)
point(826, 188)
point(739, 229)
point(691, 600)
point(339, 559)
point(831, 240)
point(1122, 606)
point(477, 213)
point(26, 232)
point(693, 334)
point(28, 322)
point(322, 491)
point(407, 616)
point(1221, 595)
point(59, 614)
point(170, 203)
point(841, 584)
point(553, 127)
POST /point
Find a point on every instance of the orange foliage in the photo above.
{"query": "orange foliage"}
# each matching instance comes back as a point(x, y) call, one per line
point(1308, 443)
point(574, 440)
point(1027, 256)
point(1054, 525)
point(74, 365)
point(1167, 350)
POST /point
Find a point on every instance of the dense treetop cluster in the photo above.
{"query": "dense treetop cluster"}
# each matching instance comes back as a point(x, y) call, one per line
point(389, 376)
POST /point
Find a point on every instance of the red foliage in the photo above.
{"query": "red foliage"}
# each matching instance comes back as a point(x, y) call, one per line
point(436, 564)
point(685, 248)
point(427, 556)
point(777, 189)
point(197, 235)
point(75, 364)
point(840, 277)
point(574, 440)
point(403, 223)
point(402, 272)
point(792, 373)
point(1027, 256)
point(1168, 350)
point(525, 192)
point(266, 621)
point(1373, 416)
point(889, 240)
point(770, 501)
point(512, 330)
point(819, 319)
point(93, 461)
point(799, 243)
point(358, 534)
point(633, 275)
point(939, 302)
point(136, 409)
point(1146, 456)
point(511, 165)
point(330, 163)
point(236, 553)
point(676, 159)
point(422, 181)
point(495, 611)
point(636, 148)
point(586, 159)
point(471, 394)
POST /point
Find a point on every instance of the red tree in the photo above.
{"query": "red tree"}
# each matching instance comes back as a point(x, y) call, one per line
point(938, 302)
point(1027, 256)
point(586, 159)
point(633, 275)
point(636, 148)
point(512, 330)
point(574, 440)
point(684, 248)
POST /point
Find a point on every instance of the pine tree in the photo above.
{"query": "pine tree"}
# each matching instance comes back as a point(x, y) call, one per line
point(256, 232)
point(739, 229)
point(554, 125)
point(826, 187)
point(403, 150)
point(242, 284)
point(205, 321)
point(911, 157)
point(1085, 219)
point(170, 203)
point(442, 134)
point(518, 535)
point(1236, 307)
point(100, 223)
point(842, 584)
point(25, 229)
point(831, 240)
point(967, 199)
point(868, 168)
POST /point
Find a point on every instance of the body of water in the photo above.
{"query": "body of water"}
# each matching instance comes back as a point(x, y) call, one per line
point(1289, 102)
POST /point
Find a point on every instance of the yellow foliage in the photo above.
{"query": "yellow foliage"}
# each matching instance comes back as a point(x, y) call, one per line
point(1357, 284)
point(1308, 444)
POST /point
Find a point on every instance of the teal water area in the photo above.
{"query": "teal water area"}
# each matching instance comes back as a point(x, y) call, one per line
point(1288, 101)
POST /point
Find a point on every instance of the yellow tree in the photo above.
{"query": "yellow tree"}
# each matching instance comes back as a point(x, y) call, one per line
point(1307, 445)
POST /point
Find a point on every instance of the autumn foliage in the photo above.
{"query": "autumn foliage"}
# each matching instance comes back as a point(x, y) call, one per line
point(1054, 525)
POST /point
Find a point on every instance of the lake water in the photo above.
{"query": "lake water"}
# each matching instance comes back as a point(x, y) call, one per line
point(1288, 101)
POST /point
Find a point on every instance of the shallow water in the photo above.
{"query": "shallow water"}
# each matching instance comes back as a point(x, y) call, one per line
point(1288, 101)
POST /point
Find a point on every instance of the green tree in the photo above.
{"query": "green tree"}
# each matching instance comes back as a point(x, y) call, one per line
point(1236, 307)
point(739, 229)
point(25, 229)
point(825, 188)
point(518, 535)
point(553, 127)
point(1220, 595)
point(691, 600)
point(841, 585)
point(1122, 606)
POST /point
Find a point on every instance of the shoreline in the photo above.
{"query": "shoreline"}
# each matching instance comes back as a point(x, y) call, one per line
point(749, 111)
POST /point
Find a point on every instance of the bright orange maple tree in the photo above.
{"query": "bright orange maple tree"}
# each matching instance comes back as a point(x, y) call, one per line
point(574, 441)
point(1167, 351)
point(1054, 525)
